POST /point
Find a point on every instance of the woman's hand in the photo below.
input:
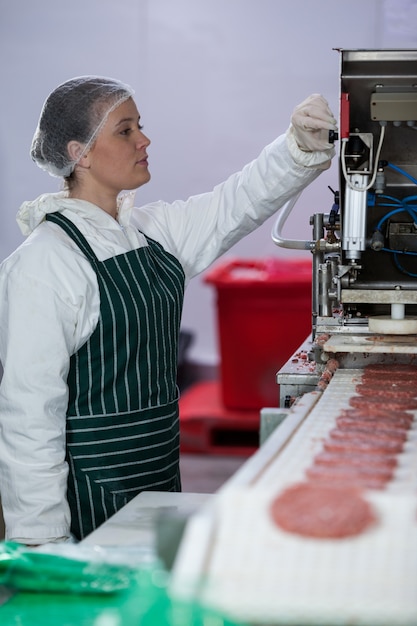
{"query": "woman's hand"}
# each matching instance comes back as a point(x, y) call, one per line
point(311, 121)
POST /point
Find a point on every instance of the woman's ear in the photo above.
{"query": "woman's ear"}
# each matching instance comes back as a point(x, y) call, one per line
point(75, 151)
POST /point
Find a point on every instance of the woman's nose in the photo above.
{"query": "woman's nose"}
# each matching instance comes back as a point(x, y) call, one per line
point(142, 140)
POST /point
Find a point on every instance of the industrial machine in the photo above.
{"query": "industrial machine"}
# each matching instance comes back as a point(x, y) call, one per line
point(364, 302)
point(366, 265)
point(364, 313)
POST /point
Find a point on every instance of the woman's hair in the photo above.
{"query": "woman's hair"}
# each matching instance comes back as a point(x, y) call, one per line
point(75, 111)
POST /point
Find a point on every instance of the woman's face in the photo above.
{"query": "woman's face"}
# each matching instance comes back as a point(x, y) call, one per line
point(118, 159)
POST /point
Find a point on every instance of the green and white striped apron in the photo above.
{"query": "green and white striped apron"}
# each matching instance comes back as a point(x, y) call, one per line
point(122, 418)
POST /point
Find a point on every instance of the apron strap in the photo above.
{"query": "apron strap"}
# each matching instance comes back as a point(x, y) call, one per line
point(73, 232)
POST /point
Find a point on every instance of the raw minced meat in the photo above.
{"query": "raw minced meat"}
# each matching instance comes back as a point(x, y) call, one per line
point(322, 511)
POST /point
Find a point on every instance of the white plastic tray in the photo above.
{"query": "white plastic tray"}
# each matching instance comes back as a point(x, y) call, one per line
point(252, 570)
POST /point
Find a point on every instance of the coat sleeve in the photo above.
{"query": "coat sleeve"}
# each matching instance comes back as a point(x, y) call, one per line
point(37, 330)
point(197, 231)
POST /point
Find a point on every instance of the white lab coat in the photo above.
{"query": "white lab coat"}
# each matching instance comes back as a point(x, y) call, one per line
point(49, 306)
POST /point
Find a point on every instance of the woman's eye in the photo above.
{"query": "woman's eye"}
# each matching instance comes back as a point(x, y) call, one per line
point(127, 131)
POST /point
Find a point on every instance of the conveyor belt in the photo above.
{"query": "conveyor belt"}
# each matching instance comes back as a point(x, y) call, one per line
point(291, 463)
point(264, 575)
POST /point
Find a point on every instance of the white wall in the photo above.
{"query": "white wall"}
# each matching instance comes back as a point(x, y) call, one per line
point(215, 81)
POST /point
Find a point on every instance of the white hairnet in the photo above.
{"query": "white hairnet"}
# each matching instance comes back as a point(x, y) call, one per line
point(75, 111)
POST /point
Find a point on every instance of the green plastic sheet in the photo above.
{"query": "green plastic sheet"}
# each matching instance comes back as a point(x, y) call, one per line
point(52, 590)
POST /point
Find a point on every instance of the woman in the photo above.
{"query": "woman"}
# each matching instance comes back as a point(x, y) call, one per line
point(91, 306)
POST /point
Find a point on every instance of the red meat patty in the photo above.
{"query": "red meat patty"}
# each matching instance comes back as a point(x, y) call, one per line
point(387, 404)
point(370, 434)
point(356, 419)
point(375, 477)
point(379, 413)
point(388, 391)
point(357, 444)
point(322, 511)
point(393, 369)
point(356, 459)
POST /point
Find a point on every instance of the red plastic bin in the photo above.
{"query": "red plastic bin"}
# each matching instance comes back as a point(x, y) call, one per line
point(263, 315)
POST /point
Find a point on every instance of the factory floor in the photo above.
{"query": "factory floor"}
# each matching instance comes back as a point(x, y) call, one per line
point(204, 473)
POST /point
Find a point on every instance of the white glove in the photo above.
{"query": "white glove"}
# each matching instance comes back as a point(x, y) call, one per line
point(311, 122)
